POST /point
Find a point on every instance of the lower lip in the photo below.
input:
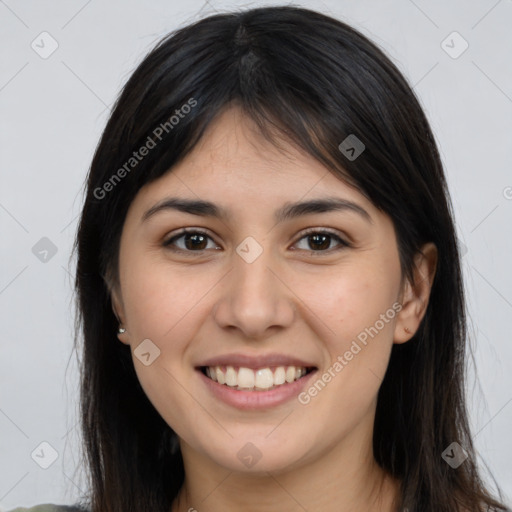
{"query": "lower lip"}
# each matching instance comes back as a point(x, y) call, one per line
point(256, 399)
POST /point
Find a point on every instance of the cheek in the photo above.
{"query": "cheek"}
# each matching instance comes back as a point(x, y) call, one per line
point(352, 302)
point(161, 304)
point(358, 305)
point(158, 296)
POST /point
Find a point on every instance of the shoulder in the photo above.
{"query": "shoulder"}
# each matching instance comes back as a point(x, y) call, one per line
point(49, 507)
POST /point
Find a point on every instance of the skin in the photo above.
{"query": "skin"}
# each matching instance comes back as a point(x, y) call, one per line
point(293, 299)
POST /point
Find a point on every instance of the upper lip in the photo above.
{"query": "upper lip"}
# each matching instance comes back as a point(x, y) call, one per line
point(255, 362)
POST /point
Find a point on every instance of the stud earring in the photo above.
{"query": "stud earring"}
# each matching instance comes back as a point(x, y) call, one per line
point(121, 330)
point(406, 329)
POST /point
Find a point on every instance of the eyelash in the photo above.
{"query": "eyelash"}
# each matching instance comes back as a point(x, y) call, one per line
point(311, 231)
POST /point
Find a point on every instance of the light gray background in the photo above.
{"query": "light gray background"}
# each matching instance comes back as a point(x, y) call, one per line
point(53, 111)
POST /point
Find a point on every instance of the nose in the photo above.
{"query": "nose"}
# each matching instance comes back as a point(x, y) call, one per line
point(255, 300)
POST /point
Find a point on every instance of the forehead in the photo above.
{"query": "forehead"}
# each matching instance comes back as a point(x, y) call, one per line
point(234, 162)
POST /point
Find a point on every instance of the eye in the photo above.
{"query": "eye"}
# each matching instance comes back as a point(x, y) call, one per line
point(193, 241)
point(320, 241)
point(189, 240)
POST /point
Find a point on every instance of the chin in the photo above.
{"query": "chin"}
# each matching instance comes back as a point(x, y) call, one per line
point(257, 456)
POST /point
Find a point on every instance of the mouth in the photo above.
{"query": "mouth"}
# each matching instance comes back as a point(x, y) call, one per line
point(268, 378)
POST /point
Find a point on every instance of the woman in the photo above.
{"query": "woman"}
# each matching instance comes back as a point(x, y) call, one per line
point(269, 282)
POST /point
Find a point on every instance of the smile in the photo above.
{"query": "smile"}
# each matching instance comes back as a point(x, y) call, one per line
point(261, 379)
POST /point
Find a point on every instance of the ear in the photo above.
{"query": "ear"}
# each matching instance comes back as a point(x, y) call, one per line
point(118, 309)
point(415, 295)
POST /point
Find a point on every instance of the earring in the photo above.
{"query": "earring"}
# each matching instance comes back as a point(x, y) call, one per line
point(121, 330)
point(406, 329)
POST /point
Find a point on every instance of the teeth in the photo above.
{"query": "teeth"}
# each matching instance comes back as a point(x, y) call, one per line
point(264, 379)
point(221, 379)
point(245, 378)
point(248, 379)
point(279, 376)
point(290, 373)
point(231, 376)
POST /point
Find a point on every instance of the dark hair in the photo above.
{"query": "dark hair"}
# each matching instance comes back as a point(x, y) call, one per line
point(311, 80)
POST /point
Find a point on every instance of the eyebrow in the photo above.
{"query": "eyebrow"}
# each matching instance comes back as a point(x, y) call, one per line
point(286, 212)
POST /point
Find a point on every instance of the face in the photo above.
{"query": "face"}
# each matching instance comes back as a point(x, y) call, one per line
point(258, 295)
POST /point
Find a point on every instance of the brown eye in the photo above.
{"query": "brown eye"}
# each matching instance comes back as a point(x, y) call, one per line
point(320, 241)
point(189, 241)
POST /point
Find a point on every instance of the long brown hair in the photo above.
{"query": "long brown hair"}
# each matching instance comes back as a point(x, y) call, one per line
point(314, 80)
